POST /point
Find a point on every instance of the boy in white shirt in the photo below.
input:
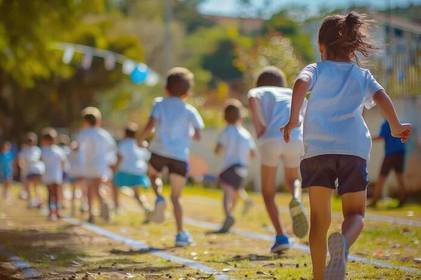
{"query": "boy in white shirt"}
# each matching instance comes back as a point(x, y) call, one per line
point(97, 149)
point(131, 167)
point(54, 159)
point(175, 123)
point(270, 105)
point(238, 145)
point(32, 169)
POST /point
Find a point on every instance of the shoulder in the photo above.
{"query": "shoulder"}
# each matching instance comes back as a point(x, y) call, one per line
point(190, 108)
point(244, 132)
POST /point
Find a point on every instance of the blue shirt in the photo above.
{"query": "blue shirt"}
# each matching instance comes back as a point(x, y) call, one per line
point(334, 122)
point(392, 145)
point(6, 160)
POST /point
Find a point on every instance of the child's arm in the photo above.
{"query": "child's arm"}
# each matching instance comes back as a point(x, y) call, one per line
point(256, 119)
point(298, 94)
point(377, 138)
point(252, 153)
point(115, 166)
point(147, 130)
point(398, 129)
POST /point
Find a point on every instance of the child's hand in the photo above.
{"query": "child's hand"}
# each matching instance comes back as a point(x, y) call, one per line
point(287, 130)
point(403, 131)
point(144, 144)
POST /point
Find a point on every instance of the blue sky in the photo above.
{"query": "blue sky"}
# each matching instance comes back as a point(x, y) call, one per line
point(231, 7)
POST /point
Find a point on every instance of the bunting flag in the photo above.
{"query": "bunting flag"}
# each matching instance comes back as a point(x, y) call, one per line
point(138, 72)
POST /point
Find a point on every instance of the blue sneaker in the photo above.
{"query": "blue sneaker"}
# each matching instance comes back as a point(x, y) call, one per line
point(158, 214)
point(182, 239)
point(281, 244)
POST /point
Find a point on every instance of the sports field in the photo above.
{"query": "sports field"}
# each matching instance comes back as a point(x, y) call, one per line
point(32, 247)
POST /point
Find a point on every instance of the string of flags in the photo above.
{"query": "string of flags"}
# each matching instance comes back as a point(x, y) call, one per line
point(138, 72)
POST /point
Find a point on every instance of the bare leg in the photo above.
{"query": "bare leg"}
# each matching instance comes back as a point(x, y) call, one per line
point(141, 199)
point(320, 218)
point(268, 180)
point(353, 209)
point(50, 200)
point(90, 185)
point(378, 188)
point(177, 183)
point(155, 180)
point(116, 196)
point(73, 203)
point(6, 186)
point(291, 174)
point(228, 199)
point(402, 188)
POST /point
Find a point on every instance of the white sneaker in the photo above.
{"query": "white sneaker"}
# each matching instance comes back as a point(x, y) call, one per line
point(158, 214)
point(336, 268)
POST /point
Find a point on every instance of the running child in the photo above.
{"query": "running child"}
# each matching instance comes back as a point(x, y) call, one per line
point(270, 105)
point(6, 167)
point(32, 169)
point(237, 145)
point(131, 169)
point(175, 123)
point(336, 138)
point(394, 159)
point(97, 149)
point(55, 160)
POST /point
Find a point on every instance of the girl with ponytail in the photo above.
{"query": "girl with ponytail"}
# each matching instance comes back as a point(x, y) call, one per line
point(337, 141)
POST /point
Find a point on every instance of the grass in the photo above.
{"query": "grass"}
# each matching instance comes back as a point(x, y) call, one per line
point(62, 251)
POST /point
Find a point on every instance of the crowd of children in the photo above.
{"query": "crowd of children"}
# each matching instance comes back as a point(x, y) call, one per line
point(326, 138)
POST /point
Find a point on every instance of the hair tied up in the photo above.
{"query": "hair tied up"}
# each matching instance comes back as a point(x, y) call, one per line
point(353, 19)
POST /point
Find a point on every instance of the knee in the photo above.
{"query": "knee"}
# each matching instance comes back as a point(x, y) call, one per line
point(320, 221)
point(175, 198)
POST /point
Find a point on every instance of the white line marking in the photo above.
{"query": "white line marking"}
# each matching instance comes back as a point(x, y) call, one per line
point(138, 245)
point(27, 270)
point(298, 246)
point(368, 216)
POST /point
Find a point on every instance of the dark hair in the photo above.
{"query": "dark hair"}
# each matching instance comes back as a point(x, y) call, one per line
point(179, 81)
point(232, 111)
point(131, 130)
point(343, 35)
point(271, 76)
point(31, 138)
point(49, 134)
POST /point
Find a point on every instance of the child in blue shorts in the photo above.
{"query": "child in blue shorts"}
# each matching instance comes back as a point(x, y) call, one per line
point(131, 168)
point(6, 167)
point(337, 142)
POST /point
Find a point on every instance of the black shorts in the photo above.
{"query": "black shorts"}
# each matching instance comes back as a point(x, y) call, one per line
point(234, 176)
point(394, 162)
point(350, 172)
point(174, 166)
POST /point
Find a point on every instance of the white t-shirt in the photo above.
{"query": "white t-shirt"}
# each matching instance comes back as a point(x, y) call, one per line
point(75, 164)
point(30, 157)
point(175, 124)
point(334, 123)
point(237, 143)
point(275, 109)
point(54, 159)
point(133, 158)
point(97, 152)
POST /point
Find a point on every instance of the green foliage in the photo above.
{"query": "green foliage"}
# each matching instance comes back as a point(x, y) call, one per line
point(282, 23)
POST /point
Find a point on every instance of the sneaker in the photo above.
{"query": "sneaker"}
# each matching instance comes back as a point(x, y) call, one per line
point(158, 214)
point(105, 212)
point(337, 246)
point(228, 223)
point(248, 204)
point(182, 239)
point(281, 244)
point(298, 217)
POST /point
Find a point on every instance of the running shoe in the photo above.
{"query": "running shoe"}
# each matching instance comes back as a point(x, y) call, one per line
point(296, 210)
point(338, 251)
point(158, 214)
point(281, 244)
point(182, 239)
point(226, 226)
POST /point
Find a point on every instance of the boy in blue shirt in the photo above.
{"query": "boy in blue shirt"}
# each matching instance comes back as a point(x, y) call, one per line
point(394, 159)
point(6, 167)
